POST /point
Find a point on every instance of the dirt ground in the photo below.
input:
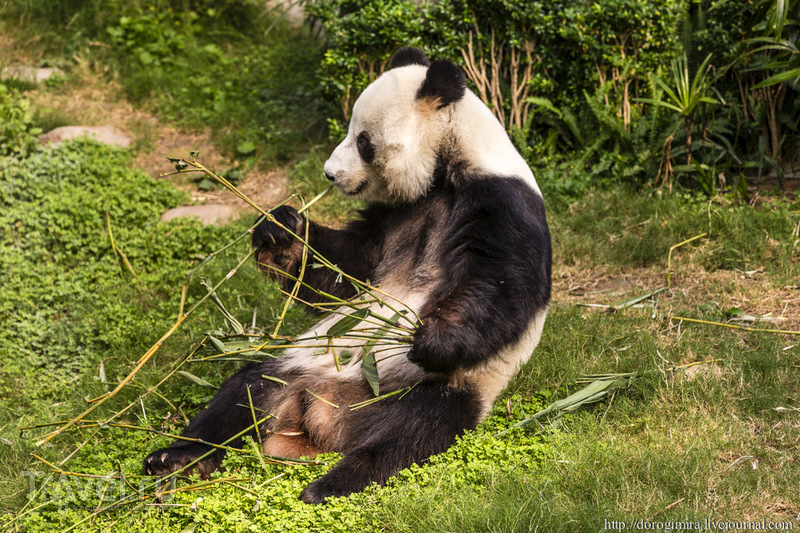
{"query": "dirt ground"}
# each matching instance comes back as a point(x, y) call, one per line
point(101, 104)
point(764, 304)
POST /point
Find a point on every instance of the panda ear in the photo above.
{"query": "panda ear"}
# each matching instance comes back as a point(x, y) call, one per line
point(409, 56)
point(445, 84)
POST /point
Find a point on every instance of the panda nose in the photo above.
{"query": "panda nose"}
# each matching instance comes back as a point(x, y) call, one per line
point(329, 176)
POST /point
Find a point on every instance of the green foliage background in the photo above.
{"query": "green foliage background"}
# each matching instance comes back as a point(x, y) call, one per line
point(592, 66)
point(274, 94)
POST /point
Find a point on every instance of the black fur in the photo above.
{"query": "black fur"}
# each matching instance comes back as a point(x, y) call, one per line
point(409, 56)
point(227, 414)
point(445, 82)
point(396, 433)
point(365, 147)
point(272, 235)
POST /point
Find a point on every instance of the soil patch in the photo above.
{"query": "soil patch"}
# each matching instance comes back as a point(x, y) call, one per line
point(92, 104)
point(752, 292)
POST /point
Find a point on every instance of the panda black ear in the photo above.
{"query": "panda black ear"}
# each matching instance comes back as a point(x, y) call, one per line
point(409, 56)
point(444, 84)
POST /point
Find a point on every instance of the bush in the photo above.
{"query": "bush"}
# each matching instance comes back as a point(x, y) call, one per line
point(17, 133)
point(573, 82)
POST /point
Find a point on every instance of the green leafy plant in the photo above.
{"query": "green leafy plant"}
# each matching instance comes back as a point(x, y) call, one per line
point(17, 131)
point(685, 97)
point(783, 54)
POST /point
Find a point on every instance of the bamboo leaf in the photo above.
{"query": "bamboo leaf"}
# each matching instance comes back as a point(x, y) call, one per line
point(370, 368)
point(347, 323)
point(345, 356)
point(218, 343)
point(593, 392)
point(633, 301)
point(196, 379)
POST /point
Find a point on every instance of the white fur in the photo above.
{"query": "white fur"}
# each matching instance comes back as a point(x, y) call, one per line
point(408, 133)
point(311, 354)
point(485, 144)
point(493, 376)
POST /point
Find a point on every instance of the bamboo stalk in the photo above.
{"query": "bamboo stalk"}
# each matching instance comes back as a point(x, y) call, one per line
point(672, 248)
point(100, 400)
point(117, 250)
point(733, 326)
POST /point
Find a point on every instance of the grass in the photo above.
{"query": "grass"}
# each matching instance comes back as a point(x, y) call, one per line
point(719, 440)
point(679, 447)
point(238, 68)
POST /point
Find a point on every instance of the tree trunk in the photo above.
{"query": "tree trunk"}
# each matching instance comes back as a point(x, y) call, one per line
point(688, 130)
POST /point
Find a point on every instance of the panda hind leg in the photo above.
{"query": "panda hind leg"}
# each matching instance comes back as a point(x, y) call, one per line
point(226, 415)
point(393, 434)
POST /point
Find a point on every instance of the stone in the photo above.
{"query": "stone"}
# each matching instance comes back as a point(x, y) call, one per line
point(103, 134)
point(31, 74)
point(217, 214)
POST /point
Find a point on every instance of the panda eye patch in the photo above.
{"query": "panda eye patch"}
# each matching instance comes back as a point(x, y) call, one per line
point(365, 147)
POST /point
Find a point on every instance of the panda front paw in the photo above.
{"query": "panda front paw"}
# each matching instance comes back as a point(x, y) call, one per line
point(271, 235)
point(432, 351)
point(168, 460)
point(276, 248)
point(315, 493)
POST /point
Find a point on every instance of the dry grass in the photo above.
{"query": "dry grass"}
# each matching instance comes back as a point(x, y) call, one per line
point(84, 101)
point(751, 291)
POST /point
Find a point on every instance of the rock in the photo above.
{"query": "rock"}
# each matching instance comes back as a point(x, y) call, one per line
point(208, 213)
point(103, 134)
point(31, 74)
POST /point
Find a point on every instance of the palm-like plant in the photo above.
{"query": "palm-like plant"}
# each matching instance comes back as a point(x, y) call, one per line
point(781, 52)
point(683, 96)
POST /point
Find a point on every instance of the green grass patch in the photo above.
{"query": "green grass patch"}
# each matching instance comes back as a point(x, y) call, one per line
point(718, 442)
point(617, 228)
point(69, 306)
point(240, 69)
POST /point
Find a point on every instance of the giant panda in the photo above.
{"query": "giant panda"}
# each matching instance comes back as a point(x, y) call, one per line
point(454, 231)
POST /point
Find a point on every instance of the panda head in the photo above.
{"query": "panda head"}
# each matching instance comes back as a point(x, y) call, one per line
point(399, 125)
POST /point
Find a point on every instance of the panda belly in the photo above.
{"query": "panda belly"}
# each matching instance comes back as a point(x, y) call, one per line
point(313, 412)
point(312, 354)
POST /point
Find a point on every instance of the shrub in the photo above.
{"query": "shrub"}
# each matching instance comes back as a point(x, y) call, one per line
point(17, 133)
